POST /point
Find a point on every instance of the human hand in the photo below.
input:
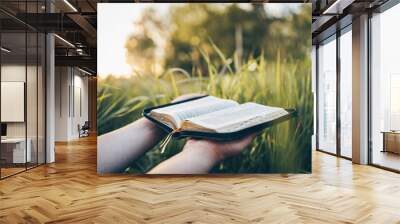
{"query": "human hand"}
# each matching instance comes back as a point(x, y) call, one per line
point(199, 156)
point(219, 150)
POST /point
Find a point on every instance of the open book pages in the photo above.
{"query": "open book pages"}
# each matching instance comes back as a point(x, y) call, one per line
point(234, 118)
point(211, 114)
point(174, 115)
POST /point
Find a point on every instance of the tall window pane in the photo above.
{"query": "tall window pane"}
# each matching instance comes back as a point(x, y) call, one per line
point(327, 96)
point(385, 84)
point(346, 94)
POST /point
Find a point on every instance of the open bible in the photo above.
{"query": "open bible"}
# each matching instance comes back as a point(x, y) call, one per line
point(212, 117)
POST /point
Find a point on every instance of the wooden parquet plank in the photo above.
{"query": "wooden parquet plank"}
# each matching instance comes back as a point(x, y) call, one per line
point(70, 191)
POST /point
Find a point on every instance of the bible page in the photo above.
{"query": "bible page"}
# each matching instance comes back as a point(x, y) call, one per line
point(238, 118)
point(182, 111)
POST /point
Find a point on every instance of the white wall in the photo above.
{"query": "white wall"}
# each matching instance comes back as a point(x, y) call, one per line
point(70, 84)
point(80, 109)
point(10, 73)
point(62, 81)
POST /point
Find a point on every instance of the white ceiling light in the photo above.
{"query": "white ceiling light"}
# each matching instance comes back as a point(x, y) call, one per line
point(5, 50)
point(64, 40)
point(79, 51)
point(70, 5)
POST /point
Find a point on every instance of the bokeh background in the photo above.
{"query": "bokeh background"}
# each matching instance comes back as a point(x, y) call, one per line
point(245, 52)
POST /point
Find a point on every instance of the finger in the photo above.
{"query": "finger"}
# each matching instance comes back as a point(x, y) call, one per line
point(251, 135)
point(247, 140)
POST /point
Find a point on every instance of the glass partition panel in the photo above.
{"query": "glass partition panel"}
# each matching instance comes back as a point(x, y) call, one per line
point(327, 96)
point(32, 97)
point(14, 153)
point(41, 79)
point(33, 42)
point(22, 77)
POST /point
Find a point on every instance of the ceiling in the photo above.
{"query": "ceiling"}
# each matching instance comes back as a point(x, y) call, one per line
point(73, 21)
point(332, 15)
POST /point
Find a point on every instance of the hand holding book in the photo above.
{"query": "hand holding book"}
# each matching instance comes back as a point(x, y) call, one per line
point(220, 149)
point(199, 156)
point(216, 128)
point(208, 120)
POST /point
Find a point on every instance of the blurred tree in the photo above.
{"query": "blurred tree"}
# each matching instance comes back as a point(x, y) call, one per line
point(240, 33)
point(142, 45)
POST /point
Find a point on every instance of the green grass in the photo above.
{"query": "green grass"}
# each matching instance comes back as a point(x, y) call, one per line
point(283, 148)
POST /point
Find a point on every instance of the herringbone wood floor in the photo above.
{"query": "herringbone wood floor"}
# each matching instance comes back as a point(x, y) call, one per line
point(70, 191)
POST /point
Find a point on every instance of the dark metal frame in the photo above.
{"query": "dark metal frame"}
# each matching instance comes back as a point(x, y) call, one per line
point(369, 83)
point(338, 97)
point(316, 97)
point(44, 70)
